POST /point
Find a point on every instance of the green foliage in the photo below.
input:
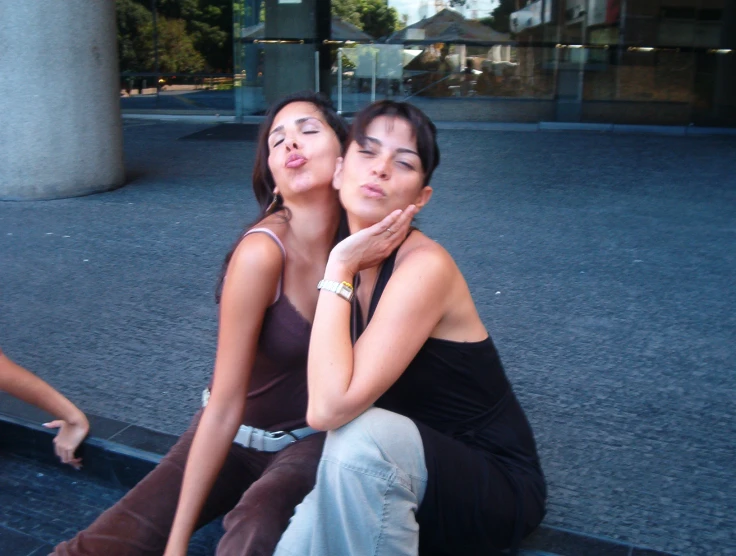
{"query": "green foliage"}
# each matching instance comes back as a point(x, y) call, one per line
point(378, 19)
point(196, 35)
point(348, 10)
point(177, 52)
point(193, 35)
point(501, 15)
point(374, 17)
point(135, 44)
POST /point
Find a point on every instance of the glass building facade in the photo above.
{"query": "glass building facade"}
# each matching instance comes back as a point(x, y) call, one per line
point(662, 62)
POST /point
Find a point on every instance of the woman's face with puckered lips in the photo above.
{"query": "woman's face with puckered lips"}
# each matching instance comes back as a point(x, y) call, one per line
point(384, 174)
point(303, 149)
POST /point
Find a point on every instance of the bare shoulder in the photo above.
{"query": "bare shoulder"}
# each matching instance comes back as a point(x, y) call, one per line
point(256, 254)
point(423, 254)
point(420, 250)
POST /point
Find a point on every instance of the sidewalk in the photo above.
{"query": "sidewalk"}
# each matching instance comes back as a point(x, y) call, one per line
point(602, 264)
point(42, 504)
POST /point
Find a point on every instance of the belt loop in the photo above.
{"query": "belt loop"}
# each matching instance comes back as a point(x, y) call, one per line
point(248, 435)
point(256, 441)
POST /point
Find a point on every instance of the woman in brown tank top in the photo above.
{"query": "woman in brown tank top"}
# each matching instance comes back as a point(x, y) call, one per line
point(225, 463)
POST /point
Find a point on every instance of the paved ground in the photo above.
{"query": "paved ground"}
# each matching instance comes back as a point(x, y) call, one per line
point(465, 109)
point(42, 505)
point(602, 264)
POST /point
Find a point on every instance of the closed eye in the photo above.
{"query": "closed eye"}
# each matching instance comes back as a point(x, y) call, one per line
point(406, 165)
point(367, 152)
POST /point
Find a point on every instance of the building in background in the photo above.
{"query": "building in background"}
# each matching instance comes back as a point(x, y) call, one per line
point(638, 62)
point(667, 62)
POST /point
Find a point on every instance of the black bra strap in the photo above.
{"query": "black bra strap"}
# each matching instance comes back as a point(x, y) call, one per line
point(384, 275)
point(387, 269)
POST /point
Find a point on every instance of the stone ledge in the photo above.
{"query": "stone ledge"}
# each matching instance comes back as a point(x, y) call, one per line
point(123, 454)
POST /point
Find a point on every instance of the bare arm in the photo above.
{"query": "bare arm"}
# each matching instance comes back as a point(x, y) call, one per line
point(344, 380)
point(252, 278)
point(26, 386)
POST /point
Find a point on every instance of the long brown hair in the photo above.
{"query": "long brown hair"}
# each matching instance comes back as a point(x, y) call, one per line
point(263, 184)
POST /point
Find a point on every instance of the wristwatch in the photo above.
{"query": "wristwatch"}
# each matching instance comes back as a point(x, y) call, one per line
point(343, 289)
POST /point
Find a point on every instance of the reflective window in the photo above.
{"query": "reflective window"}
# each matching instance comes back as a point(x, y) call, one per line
point(668, 62)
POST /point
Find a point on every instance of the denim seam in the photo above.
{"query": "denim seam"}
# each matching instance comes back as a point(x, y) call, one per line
point(390, 477)
point(423, 478)
point(380, 538)
point(422, 457)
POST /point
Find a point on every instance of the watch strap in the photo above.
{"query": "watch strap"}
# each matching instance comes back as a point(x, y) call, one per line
point(343, 289)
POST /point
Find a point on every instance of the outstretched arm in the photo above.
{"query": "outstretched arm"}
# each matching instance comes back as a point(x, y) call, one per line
point(71, 422)
point(252, 278)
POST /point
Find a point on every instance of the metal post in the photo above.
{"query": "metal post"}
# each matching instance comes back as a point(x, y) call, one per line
point(584, 52)
point(621, 46)
point(373, 77)
point(339, 80)
point(316, 70)
point(155, 45)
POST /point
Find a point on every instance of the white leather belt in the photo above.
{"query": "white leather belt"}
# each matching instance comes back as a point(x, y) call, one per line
point(261, 440)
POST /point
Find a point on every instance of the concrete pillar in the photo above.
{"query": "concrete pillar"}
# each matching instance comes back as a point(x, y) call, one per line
point(60, 125)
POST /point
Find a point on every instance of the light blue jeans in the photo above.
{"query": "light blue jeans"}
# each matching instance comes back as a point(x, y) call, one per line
point(370, 482)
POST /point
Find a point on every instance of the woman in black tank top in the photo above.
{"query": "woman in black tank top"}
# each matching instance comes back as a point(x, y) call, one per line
point(425, 428)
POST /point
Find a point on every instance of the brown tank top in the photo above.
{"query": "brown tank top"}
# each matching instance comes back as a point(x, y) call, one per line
point(277, 395)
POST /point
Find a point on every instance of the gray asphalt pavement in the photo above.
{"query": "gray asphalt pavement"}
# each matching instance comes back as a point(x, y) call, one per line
point(602, 265)
point(42, 505)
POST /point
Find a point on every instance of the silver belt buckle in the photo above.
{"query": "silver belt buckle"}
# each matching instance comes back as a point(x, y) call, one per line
point(278, 435)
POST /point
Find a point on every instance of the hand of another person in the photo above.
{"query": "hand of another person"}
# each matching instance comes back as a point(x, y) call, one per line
point(68, 439)
point(369, 247)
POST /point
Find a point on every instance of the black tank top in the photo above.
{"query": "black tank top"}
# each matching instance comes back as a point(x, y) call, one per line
point(460, 389)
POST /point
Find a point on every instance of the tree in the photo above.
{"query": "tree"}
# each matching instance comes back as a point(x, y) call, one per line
point(176, 47)
point(348, 10)
point(501, 15)
point(378, 19)
point(176, 50)
point(374, 17)
point(209, 23)
point(135, 46)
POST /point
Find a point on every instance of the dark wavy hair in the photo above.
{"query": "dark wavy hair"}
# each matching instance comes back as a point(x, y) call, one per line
point(263, 184)
point(425, 131)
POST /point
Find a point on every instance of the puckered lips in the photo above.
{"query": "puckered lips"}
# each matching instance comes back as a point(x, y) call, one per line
point(295, 160)
point(373, 190)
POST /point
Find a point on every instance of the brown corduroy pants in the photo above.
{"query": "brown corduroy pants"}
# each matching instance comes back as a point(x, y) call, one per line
point(257, 491)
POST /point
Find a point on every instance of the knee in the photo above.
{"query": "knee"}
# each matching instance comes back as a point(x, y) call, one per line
point(376, 433)
point(255, 537)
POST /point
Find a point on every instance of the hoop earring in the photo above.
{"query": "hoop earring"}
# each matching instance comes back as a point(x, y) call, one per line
point(275, 203)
